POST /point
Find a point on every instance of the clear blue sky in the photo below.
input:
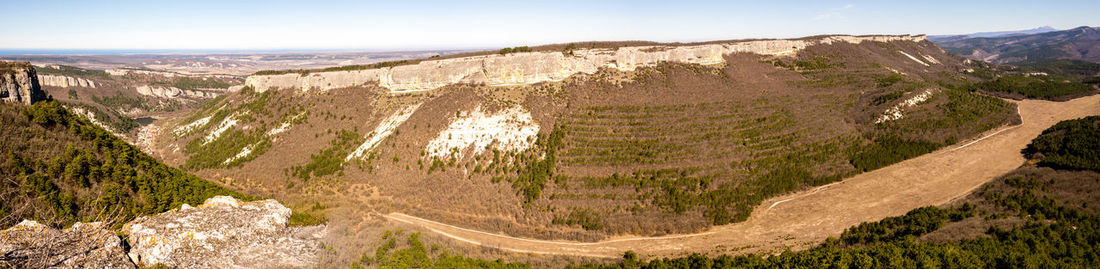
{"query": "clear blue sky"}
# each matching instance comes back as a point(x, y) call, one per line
point(404, 24)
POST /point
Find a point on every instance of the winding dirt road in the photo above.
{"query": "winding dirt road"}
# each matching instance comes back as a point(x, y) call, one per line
point(802, 219)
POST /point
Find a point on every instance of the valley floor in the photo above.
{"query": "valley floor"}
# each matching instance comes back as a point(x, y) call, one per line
point(803, 219)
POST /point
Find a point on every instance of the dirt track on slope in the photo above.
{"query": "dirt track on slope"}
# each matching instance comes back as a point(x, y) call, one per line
point(802, 219)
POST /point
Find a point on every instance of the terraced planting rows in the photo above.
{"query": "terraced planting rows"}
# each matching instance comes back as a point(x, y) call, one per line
point(679, 160)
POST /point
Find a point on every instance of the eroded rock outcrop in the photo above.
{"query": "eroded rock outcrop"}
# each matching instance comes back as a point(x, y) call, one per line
point(19, 83)
point(224, 233)
point(536, 67)
point(172, 92)
point(33, 245)
point(65, 81)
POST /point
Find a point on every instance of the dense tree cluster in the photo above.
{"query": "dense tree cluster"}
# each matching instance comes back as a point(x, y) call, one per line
point(1034, 87)
point(1072, 144)
point(59, 169)
point(506, 51)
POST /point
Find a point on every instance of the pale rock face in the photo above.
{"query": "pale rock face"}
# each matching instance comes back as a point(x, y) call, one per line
point(124, 72)
point(172, 92)
point(224, 233)
point(33, 245)
point(895, 112)
point(65, 81)
point(913, 58)
point(511, 129)
point(20, 85)
point(536, 67)
point(384, 129)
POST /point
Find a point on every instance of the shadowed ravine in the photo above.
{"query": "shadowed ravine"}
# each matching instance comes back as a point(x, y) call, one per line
point(802, 219)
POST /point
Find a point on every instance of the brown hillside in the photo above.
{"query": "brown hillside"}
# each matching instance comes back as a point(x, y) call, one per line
point(673, 148)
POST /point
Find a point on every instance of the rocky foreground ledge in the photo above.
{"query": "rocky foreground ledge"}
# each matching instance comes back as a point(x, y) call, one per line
point(223, 232)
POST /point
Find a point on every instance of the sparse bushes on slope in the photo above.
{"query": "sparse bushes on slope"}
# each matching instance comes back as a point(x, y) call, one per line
point(330, 160)
point(412, 253)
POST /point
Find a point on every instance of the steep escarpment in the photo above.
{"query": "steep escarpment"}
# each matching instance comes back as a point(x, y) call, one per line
point(65, 81)
point(19, 83)
point(536, 67)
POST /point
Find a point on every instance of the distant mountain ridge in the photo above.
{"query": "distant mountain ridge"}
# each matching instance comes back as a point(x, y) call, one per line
point(1037, 30)
point(1081, 43)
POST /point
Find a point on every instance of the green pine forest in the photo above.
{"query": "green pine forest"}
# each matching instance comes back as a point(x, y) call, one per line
point(58, 168)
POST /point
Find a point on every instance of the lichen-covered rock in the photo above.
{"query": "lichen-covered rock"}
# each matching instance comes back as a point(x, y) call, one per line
point(19, 83)
point(224, 233)
point(33, 245)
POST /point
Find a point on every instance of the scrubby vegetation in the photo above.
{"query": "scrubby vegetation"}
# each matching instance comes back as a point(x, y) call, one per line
point(223, 150)
point(120, 101)
point(1058, 228)
point(412, 253)
point(65, 70)
point(189, 83)
point(115, 120)
point(63, 169)
point(1072, 144)
point(506, 51)
point(962, 112)
point(1041, 87)
point(330, 160)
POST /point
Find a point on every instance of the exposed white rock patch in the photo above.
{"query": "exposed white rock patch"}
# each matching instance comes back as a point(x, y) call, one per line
point(278, 130)
point(224, 233)
point(224, 126)
point(536, 67)
point(64, 81)
point(91, 117)
point(183, 130)
point(511, 129)
point(914, 58)
point(896, 71)
point(895, 112)
point(244, 153)
point(930, 59)
point(384, 129)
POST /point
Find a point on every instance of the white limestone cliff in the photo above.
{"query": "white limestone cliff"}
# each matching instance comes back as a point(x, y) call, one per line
point(536, 67)
point(65, 81)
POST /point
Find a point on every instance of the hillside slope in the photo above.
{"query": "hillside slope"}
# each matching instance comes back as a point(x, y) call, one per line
point(676, 143)
point(1081, 43)
point(58, 169)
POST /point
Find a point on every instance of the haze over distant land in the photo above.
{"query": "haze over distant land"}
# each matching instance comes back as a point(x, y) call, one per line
point(233, 25)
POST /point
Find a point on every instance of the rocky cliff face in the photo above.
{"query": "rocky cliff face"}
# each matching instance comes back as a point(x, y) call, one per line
point(33, 245)
point(535, 67)
point(65, 81)
point(172, 92)
point(224, 233)
point(19, 83)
